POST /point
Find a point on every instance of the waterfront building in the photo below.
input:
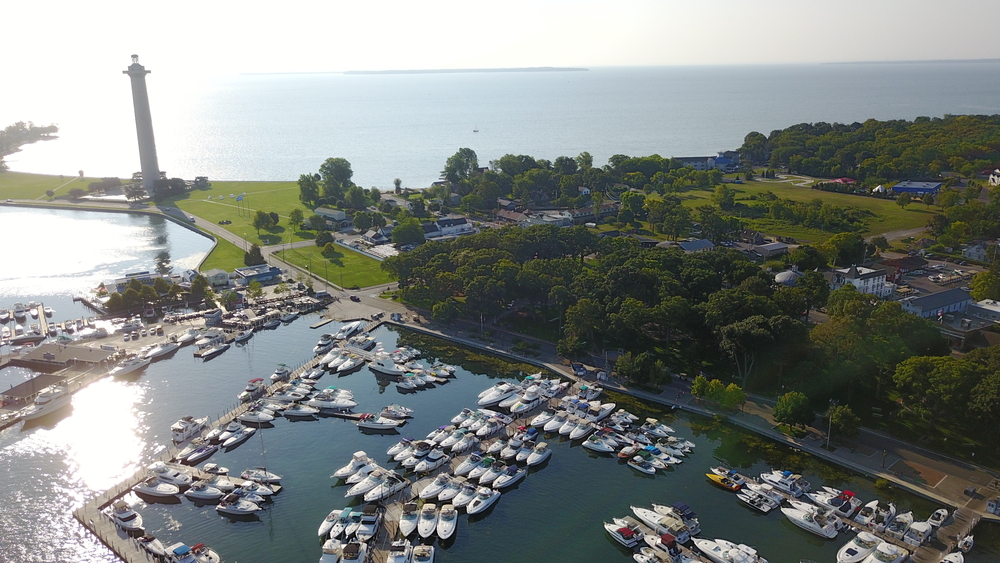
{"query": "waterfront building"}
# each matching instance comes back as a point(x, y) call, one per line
point(938, 304)
point(263, 273)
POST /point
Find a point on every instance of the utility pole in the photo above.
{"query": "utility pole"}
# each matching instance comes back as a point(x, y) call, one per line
point(829, 415)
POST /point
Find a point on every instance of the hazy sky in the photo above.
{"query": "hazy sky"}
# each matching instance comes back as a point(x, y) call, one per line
point(209, 36)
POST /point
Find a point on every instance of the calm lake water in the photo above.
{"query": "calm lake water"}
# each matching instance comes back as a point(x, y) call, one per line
point(115, 427)
point(275, 127)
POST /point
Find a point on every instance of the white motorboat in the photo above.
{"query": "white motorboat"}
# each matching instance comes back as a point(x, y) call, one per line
point(756, 500)
point(417, 451)
point(464, 496)
point(215, 469)
point(238, 437)
point(497, 469)
point(385, 365)
point(4, 315)
point(398, 447)
point(354, 552)
point(811, 521)
point(371, 519)
point(899, 524)
point(124, 517)
point(844, 503)
point(423, 554)
point(152, 545)
point(730, 474)
point(255, 488)
point(530, 394)
point(130, 365)
point(300, 412)
point(663, 523)
point(436, 458)
point(581, 429)
point(289, 394)
point(243, 336)
point(462, 416)
point(938, 517)
point(332, 400)
point(497, 446)
point(966, 543)
point(236, 506)
point(332, 551)
point(485, 497)
point(447, 521)
point(170, 475)
point(453, 438)
point(509, 477)
point(918, 533)
point(874, 516)
point(539, 454)
point(568, 426)
point(887, 553)
point(427, 524)
point(786, 481)
point(49, 400)
point(392, 485)
point(256, 415)
point(347, 330)
point(215, 350)
point(161, 350)
point(362, 473)
point(396, 411)
point(640, 464)
point(451, 490)
point(350, 364)
point(624, 532)
point(187, 427)
point(254, 389)
point(526, 448)
point(201, 453)
point(596, 443)
point(373, 479)
point(510, 450)
point(260, 475)
point(858, 549)
point(682, 511)
point(199, 553)
point(375, 422)
point(956, 557)
point(436, 486)
point(338, 525)
point(483, 467)
point(540, 419)
point(324, 344)
point(408, 519)
point(153, 487)
point(468, 442)
point(358, 460)
point(400, 552)
point(498, 393)
point(187, 336)
point(202, 490)
point(722, 551)
point(474, 460)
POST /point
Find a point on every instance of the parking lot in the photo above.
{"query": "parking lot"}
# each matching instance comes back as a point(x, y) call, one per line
point(947, 275)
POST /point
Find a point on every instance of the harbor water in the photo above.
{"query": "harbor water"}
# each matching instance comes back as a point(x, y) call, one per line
point(115, 427)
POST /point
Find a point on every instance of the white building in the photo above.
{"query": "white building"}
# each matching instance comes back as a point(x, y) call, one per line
point(865, 280)
point(976, 252)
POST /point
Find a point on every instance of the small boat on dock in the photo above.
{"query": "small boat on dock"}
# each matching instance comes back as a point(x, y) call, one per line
point(125, 517)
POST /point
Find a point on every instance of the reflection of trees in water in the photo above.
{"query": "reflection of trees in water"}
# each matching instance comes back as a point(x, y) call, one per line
point(162, 260)
point(161, 240)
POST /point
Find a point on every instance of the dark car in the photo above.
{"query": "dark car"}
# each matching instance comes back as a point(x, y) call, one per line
point(355, 298)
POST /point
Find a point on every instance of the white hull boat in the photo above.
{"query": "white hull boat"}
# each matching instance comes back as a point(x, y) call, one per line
point(129, 366)
point(427, 524)
point(484, 499)
point(408, 519)
point(447, 521)
point(858, 549)
point(50, 400)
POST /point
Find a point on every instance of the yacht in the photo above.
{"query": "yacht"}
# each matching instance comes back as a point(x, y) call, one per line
point(152, 545)
point(124, 517)
point(348, 330)
point(786, 481)
point(50, 399)
point(215, 350)
point(436, 458)
point(324, 344)
point(539, 454)
point(187, 427)
point(332, 551)
point(509, 477)
point(938, 517)
point(663, 523)
point(371, 519)
point(465, 495)
point(400, 552)
point(899, 524)
point(858, 549)
point(844, 503)
point(202, 490)
point(447, 521)
point(243, 336)
point(887, 553)
point(812, 521)
point(722, 551)
point(497, 393)
point(260, 475)
point(875, 516)
point(169, 475)
point(918, 533)
point(188, 336)
point(129, 366)
point(392, 485)
point(4, 315)
point(355, 552)
point(153, 487)
point(427, 523)
point(423, 554)
point(238, 437)
point(624, 532)
point(374, 422)
point(281, 373)
point(161, 350)
point(683, 511)
point(233, 505)
point(373, 479)
point(201, 453)
point(385, 365)
point(254, 389)
point(358, 460)
point(485, 497)
point(340, 523)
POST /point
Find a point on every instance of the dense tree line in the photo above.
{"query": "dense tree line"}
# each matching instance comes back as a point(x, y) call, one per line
point(14, 136)
point(878, 151)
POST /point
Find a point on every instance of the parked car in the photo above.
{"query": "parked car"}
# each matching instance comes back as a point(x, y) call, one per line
point(355, 298)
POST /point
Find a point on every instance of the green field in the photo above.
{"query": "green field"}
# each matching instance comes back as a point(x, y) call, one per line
point(888, 215)
point(226, 256)
point(279, 197)
point(21, 185)
point(345, 269)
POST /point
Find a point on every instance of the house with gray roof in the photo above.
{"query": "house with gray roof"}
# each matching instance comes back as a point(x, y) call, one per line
point(702, 245)
point(937, 304)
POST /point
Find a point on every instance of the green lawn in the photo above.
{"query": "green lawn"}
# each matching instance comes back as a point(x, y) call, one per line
point(345, 269)
point(21, 185)
point(225, 255)
point(888, 215)
point(279, 197)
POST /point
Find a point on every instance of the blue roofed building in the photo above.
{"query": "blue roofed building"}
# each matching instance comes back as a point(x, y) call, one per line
point(702, 245)
point(916, 188)
point(265, 274)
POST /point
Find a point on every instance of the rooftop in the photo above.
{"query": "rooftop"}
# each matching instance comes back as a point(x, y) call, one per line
point(701, 244)
point(941, 299)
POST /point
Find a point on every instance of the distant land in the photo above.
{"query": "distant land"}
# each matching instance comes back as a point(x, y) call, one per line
point(915, 62)
point(466, 70)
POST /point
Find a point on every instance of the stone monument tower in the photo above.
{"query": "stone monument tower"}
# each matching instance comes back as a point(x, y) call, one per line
point(143, 124)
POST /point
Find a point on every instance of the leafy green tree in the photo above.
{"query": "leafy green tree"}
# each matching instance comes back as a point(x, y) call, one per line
point(397, 186)
point(50, 193)
point(844, 421)
point(903, 200)
point(329, 250)
point(336, 174)
point(323, 238)
point(77, 193)
point(936, 387)
point(446, 311)
point(793, 408)
point(131, 298)
point(362, 221)
point(161, 286)
point(846, 248)
point(584, 161)
point(228, 297)
point(409, 231)
point(972, 192)
point(115, 302)
point(986, 285)
point(255, 291)
point(816, 288)
point(295, 218)
point(724, 197)
point(880, 243)
point(281, 288)
point(733, 396)
point(274, 218)
point(199, 288)
point(308, 190)
point(316, 223)
point(715, 391)
point(254, 256)
point(176, 292)
point(699, 386)
point(473, 201)
point(460, 165)
point(135, 285)
point(262, 220)
point(356, 197)
point(375, 195)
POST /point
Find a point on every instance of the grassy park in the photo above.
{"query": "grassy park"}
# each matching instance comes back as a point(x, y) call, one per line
point(344, 268)
point(21, 185)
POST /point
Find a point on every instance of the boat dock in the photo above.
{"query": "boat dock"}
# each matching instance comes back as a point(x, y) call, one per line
point(649, 532)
